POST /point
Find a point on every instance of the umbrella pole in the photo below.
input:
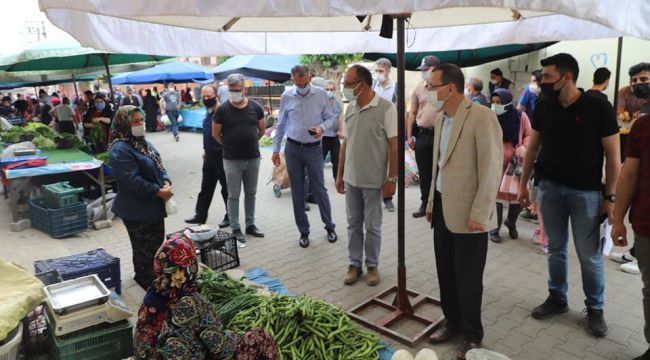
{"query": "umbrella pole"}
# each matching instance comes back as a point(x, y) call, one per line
point(402, 309)
point(110, 82)
point(268, 87)
point(618, 70)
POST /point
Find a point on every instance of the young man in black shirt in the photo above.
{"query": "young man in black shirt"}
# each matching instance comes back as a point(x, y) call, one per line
point(238, 126)
point(571, 132)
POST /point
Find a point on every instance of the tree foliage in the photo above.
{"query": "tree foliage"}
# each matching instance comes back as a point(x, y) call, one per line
point(330, 61)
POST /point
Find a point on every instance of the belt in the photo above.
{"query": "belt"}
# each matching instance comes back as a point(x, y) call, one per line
point(428, 131)
point(315, 143)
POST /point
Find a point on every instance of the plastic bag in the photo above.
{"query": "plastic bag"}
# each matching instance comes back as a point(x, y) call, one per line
point(165, 120)
point(170, 207)
point(484, 354)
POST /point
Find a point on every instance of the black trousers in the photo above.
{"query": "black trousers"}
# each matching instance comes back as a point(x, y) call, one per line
point(67, 127)
point(460, 261)
point(332, 145)
point(151, 120)
point(146, 237)
point(424, 160)
point(213, 173)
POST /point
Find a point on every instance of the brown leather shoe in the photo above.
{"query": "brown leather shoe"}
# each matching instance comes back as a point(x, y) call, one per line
point(352, 275)
point(372, 277)
point(442, 334)
point(465, 347)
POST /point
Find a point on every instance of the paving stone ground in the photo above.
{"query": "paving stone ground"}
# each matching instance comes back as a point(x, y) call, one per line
point(514, 283)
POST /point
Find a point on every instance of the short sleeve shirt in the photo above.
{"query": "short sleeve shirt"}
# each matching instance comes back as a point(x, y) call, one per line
point(367, 131)
point(239, 130)
point(64, 113)
point(572, 152)
point(171, 100)
point(426, 114)
point(638, 146)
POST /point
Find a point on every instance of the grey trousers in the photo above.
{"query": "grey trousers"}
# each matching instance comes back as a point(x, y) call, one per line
point(363, 208)
point(238, 171)
point(642, 254)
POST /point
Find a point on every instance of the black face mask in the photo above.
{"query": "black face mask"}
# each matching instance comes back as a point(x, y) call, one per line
point(210, 102)
point(642, 90)
point(549, 91)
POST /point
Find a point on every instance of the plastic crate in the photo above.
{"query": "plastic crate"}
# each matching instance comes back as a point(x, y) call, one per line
point(61, 194)
point(219, 253)
point(9, 347)
point(97, 261)
point(35, 339)
point(61, 222)
point(102, 342)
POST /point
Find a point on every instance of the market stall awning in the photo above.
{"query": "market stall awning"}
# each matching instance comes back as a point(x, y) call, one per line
point(175, 71)
point(463, 58)
point(206, 28)
point(269, 67)
point(19, 84)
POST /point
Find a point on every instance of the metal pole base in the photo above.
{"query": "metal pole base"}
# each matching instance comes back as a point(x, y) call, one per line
point(384, 324)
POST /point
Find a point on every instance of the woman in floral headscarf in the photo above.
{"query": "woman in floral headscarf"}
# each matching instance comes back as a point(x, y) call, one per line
point(176, 322)
point(143, 185)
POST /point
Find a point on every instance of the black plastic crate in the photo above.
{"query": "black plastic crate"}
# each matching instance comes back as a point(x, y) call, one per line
point(219, 253)
point(59, 223)
point(35, 341)
point(97, 261)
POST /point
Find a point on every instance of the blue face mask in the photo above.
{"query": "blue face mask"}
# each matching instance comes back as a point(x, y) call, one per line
point(304, 91)
point(100, 106)
point(330, 94)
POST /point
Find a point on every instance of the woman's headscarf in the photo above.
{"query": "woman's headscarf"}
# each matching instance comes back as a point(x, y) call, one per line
point(121, 131)
point(510, 120)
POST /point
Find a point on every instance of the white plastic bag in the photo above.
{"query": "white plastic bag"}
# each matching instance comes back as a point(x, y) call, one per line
point(165, 120)
point(170, 207)
point(484, 354)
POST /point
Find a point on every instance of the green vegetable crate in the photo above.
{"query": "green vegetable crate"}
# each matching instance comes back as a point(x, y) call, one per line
point(61, 194)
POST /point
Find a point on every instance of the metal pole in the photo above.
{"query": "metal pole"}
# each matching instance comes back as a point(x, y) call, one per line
point(618, 70)
point(110, 82)
point(74, 82)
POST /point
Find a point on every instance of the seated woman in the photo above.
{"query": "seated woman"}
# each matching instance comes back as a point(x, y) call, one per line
point(176, 322)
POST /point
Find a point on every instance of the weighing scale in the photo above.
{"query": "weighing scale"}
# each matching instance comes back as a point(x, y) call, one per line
point(111, 311)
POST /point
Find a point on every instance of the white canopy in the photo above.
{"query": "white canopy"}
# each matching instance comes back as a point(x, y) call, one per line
point(207, 27)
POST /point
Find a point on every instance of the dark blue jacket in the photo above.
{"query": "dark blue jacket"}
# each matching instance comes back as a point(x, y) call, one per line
point(209, 143)
point(138, 181)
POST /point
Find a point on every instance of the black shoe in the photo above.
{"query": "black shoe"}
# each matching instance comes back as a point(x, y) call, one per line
point(512, 230)
point(254, 231)
point(495, 237)
point(421, 212)
point(239, 236)
point(311, 199)
point(306, 207)
point(644, 356)
point(304, 241)
point(550, 307)
point(331, 236)
point(528, 216)
point(195, 220)
point(465, 347)
point(390, 207)
point(225, 222)
point(596, 325)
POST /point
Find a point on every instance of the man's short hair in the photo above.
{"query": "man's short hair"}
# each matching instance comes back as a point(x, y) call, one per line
point(497, 72)
point(331, 82)
point(476, 83)
point(638, 68)
point(300, 70)
point(6, 98)
point(234, 79)
point(319, 81)
point(563, 62)
point(213, 87)
point(601, 75)
point(363, 74)
point(537, 74)
point(66, 100)
point(42, 92)
point(452, 74)
point(384, 62)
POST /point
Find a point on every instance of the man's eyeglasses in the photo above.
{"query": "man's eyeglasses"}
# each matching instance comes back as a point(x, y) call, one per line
point(351, 85)
point(434, 87)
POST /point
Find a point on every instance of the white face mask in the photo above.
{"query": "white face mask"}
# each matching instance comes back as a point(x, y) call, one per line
point(304, 91)
point(493, 82)
point(236, 96)
point(137, 131)
point(533, 88)
point(349, 93)
point(432, 97)
point(468, 93)
point(381, 78)
point(499, 109)
point(426, 75)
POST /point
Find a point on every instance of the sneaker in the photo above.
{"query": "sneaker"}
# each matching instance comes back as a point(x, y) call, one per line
point(494, 236)
point(622, 257)
point(596, 325)
point(390, 207)
point(552, 306)
point(630, 268)
point(528, 216)
point(176, 138)
point(352, 275)
point(241, 240)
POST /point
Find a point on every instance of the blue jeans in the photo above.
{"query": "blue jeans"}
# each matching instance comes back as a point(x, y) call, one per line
point(310, 159)
point(558, 204)
point(173, 117)
point(238, 171)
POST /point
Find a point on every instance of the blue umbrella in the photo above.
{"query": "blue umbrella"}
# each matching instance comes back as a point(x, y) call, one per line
point(175, 71)
point(269, 67)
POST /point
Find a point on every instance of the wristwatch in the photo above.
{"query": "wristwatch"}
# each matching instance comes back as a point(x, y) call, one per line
point(392, 180)
point(610, 197)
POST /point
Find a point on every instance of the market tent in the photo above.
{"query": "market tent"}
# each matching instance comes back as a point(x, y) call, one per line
point(463, 58)
point(315, 26)
point(269, 67)
point(175, 71)
point(19, 84)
